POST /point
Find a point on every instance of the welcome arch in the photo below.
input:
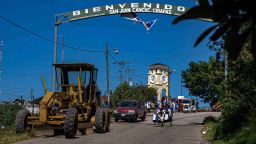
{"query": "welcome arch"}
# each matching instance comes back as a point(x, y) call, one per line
point(111, 9)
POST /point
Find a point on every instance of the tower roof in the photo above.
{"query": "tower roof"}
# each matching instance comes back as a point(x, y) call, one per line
point(159, 66)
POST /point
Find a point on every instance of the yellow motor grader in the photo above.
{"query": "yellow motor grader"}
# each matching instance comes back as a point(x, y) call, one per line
point(75, 105)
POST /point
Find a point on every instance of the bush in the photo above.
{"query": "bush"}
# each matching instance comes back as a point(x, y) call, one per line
point(8, 114)
point(234, 115)
point(244, 135)
point(214, 128)
point(7, 118)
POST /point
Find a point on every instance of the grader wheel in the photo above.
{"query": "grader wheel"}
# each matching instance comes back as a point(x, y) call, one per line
point(101, 126)
point(70, 123)
point(21, 121)
point(107, 121)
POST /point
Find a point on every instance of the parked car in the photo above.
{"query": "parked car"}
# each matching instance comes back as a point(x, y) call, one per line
point(130, 110)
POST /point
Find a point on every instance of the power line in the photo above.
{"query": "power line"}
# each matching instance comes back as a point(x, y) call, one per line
point(25, 74)
point(21, 89)
point(113, 57)
point(129, 70)
point(42, 37)
point(9, 94)
point(121, 64)
point(21, 76)
point(14, 90)
point(21, 43)
point(141, 75)
point(113, 78)
point(16, 93)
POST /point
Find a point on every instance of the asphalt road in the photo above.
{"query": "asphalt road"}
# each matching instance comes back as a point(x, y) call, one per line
point(186, 129)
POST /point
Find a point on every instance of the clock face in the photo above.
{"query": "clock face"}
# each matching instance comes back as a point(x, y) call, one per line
point(164, 79)
point(152, 79)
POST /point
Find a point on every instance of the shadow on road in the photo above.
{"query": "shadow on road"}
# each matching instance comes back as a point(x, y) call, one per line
point(126, 121)
point(189, 124)
point(48, 136)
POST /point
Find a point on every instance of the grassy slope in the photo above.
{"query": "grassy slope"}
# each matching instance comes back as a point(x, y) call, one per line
point(9, 135)
point(246, 135)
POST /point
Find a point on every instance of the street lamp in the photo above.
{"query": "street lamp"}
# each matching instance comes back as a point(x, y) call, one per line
point(173, 70)
point(116, 51)
point(107, 71)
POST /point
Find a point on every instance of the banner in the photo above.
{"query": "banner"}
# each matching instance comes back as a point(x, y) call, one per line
point(157, 8)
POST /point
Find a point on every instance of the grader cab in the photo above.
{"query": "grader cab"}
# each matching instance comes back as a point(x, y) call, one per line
point(74, 106)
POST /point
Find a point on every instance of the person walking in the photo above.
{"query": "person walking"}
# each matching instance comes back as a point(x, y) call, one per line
point(148, 106)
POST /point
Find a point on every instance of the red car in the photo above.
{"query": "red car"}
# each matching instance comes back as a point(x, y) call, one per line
point(130, 110)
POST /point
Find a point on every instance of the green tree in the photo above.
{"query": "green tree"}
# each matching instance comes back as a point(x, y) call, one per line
point(138, 92)
point(150, 93)
point(239, 100)
point(235, 23)
point(204, 79)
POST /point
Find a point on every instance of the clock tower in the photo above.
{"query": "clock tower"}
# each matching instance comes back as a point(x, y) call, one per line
point(158, 77)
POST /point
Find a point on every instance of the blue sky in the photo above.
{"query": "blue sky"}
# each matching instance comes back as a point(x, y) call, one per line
point(26, 57)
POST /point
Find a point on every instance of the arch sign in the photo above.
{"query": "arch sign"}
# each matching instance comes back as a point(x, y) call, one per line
point(111, 9)
point(157, 8)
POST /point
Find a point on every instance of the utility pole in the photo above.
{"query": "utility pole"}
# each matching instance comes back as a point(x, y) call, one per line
point(226, 68)
point(1, 58)
point(32, 101)
point(181, 86)
point(21, 101)
point(170, 72)
point(120, 63)
point(55, 52)
point(107, 71)
point(221, 44)
point(31, 95)
point(62, 49)
point(107, 74)
point(226, 63)
point(1, 64)
point(127, 71)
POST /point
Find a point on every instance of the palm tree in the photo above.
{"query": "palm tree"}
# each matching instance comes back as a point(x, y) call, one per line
point(235, 23)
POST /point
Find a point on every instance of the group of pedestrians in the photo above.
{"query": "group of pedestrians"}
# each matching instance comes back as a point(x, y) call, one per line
point(162, 104)
point(163, 110)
